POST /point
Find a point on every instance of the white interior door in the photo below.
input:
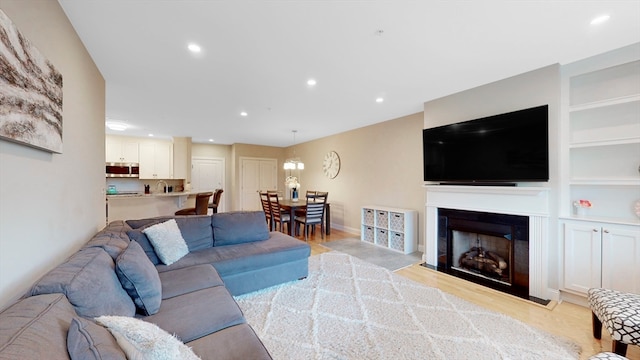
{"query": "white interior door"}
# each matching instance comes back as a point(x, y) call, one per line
point(256, 174)
point(207, 174)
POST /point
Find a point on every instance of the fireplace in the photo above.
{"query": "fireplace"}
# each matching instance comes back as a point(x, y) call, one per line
point(487, 248)
point(528, 202)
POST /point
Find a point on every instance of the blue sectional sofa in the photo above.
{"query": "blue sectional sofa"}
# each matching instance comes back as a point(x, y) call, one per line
point(119, 273)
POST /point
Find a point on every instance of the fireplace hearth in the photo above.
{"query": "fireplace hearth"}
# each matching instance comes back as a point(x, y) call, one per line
point(486, 248)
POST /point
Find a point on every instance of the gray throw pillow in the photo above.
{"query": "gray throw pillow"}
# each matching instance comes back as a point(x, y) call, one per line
point(142, 239)
point(239, 227)
point(139, 278)
point(88, 341)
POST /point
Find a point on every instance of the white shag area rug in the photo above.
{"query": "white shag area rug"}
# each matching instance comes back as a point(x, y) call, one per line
point(351, 309)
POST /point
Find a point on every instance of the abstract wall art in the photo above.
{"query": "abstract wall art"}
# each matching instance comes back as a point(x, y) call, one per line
point(30, 92)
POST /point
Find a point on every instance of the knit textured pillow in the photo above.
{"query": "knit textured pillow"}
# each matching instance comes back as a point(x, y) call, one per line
point(167, 241)
point(143, 340)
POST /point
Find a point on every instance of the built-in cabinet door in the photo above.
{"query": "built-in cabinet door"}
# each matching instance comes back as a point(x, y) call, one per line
point(582, 257)
point(256, 175)
point(621, 258)
point(156, 160)
point(121, 150)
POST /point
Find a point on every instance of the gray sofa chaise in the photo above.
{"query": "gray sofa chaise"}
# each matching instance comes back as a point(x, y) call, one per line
point(121, 274)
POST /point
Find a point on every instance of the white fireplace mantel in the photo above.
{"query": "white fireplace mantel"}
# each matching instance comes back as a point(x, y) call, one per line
point(526, 201)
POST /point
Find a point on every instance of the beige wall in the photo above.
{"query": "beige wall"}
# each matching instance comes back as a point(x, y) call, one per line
point(381, 165)
point(50, 204)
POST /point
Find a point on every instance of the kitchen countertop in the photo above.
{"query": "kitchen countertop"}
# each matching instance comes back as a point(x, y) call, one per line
point(142, 195)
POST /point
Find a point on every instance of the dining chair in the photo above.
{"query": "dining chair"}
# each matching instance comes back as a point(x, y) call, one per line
point(302, 212)
point(202, 202)
point(266, 207)
point(315, 214)
point(278, 217)
point(217, 195)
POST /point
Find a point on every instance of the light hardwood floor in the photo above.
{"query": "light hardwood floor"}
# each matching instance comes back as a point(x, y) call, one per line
point(563, 319)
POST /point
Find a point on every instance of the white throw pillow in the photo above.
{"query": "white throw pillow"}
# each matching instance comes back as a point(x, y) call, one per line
point(146, 341)
point(167, 241)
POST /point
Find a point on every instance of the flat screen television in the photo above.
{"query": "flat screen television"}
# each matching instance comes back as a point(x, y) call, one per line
point(499, 149)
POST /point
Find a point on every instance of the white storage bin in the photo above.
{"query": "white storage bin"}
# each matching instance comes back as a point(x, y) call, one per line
point(382, 219)
point(368, 216)
point(382, 237)
point(368, 234)
point(397, 221)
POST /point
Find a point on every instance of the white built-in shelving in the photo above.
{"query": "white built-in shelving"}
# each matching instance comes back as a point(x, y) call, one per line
point(600, 162)
point(601, 142)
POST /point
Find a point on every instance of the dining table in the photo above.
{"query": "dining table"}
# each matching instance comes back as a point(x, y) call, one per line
point(291, 206)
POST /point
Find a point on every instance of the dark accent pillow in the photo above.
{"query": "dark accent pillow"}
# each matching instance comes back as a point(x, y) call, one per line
point(238, 227)
point(87, 341)
point(141, 223)
point(139, 278)
point(141, 238)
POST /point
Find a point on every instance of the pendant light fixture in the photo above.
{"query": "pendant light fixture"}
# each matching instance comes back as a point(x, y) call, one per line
point(294, 163)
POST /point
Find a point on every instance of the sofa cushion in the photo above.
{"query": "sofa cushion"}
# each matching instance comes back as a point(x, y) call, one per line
point(139, 278)
point(111, 242)
point(235, 342)
point(196, 229)
point(36, 328)
point(188, 279)
point(143, 340)
point(239, 227)
point(89, 281)
point(167, 241)
point(198, 313)
point(280, 248)
point(88, 341)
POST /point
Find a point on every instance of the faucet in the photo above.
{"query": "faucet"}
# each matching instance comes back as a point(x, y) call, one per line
point(162, 182)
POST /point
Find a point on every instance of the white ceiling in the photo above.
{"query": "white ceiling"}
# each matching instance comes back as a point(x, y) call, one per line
point(258, 55)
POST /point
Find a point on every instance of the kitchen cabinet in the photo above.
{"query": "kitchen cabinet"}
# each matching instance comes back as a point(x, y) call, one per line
point(601, 255)
point(156, 160)
point(123, 150)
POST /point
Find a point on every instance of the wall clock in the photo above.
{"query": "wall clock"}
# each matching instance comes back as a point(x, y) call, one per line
point(331, 164)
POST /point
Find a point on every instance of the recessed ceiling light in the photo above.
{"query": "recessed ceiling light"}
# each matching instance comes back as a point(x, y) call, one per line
point(379, 100)
point(244, 113)
point(210, 140)
point(194, 48)
point(600, 19)
point(311, 82)
point(117, 126)
point(150, 135)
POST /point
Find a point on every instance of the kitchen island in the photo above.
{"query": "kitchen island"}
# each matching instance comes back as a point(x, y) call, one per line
point(139, 206)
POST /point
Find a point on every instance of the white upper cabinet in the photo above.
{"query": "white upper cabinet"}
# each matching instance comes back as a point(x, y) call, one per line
point(120, 149)
point(156, 160)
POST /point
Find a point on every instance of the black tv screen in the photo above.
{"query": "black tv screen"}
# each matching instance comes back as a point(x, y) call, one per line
point(503, 148)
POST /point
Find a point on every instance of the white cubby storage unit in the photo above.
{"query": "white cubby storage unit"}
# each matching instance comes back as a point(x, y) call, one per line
point(391, 228)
